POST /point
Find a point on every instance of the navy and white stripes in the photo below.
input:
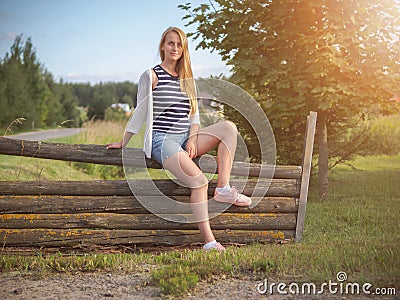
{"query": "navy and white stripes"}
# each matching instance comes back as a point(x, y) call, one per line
point(171, 107)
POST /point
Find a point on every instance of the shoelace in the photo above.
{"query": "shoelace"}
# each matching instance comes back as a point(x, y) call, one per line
point(236, 193)
point(219, 247)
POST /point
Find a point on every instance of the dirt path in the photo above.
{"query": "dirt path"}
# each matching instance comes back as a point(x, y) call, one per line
point(117, 286)
point(136, 286)
point(46, 134)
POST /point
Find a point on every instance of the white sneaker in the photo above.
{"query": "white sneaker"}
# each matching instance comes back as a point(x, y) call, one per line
point(233, 197)
point(217, 246)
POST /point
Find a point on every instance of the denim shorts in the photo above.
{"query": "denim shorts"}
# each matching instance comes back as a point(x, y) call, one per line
point(166, 144)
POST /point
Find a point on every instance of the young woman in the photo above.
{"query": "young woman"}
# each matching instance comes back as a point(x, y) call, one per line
point(167, 101)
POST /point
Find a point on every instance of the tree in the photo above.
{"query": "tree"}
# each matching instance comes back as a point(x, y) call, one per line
point(28, 91)
point(15, 97)
point(104, 95)
point(100, 97)
point(53, 115)
point(126, 92)
point(338, 57)
point(68, 105)
point(37, 89)
point(83, 92)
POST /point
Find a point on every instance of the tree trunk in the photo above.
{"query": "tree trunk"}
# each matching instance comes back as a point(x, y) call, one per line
point(323, 154)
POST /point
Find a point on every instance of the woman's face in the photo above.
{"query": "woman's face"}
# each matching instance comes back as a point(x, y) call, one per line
point(172, 47)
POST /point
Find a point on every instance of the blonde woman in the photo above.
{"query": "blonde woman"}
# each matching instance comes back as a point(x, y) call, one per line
point(167, 101)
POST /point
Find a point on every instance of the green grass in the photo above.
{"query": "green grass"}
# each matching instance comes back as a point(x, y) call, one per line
point(14, 168)
point(25, 168)
point(356, 230)
point(100, 133)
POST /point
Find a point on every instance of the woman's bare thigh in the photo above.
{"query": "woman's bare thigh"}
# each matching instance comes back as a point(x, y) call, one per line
point(209, 137)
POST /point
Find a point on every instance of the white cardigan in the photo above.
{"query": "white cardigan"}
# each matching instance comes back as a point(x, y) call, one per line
point(144, 110)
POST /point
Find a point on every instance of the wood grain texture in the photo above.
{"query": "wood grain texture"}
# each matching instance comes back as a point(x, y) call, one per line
point(31, 204)
point(249, 221)
point(132, 157)
point(74, 237)
point(251, 187)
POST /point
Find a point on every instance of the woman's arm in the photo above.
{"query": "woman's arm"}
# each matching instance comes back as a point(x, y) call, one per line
point(125, 140)
point(191, 145)
point(140, 113)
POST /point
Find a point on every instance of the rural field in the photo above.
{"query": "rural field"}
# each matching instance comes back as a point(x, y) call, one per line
point(356, 230)
point(277, 72)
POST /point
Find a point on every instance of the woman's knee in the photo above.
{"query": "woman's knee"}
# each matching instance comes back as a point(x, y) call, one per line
point(229, 128)
point(199, 182)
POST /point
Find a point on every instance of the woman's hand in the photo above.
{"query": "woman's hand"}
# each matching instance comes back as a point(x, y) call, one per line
point(123, 143)
point(116, 145)
point(191, 146)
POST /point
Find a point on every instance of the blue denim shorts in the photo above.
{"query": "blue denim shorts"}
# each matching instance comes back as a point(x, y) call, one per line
point(166, 144)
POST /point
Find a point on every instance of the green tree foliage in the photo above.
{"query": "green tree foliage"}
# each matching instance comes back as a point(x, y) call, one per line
point(15, 97)
point(83, 92)
point(103, 97)
point(126, 92)
point(96, 99)
point(28, 91)
point(338, 57)
point(52, 109)
point(69, 107)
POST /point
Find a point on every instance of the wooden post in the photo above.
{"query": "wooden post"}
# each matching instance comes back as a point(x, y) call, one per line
point(305, 178)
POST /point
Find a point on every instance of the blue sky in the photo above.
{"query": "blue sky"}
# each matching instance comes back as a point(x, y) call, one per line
point(99, 40)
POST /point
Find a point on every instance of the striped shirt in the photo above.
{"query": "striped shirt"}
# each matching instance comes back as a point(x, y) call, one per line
point(171, 107)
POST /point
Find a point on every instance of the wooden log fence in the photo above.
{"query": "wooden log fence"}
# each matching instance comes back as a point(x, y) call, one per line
point(106, 212)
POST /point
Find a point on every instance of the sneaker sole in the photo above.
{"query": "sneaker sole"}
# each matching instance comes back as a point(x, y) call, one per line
point(232, 202)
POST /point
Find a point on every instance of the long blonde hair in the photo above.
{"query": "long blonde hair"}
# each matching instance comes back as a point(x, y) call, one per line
point(183, 67)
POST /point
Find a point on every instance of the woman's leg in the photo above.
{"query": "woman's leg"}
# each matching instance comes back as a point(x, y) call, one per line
point(186, 171)
point(224, 135)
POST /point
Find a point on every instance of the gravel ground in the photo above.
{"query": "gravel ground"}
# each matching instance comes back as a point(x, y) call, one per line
point(133, 286)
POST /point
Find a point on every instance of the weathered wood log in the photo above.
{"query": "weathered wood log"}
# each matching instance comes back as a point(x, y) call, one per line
point(75, 237)
point(272, 188)
point(123, 204)
point(132, 157)
point(250, 221)
point(74, 213)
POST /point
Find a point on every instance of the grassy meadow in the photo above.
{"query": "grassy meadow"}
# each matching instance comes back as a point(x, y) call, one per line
point(356, 230)
point(25, 168)
point(100, 133)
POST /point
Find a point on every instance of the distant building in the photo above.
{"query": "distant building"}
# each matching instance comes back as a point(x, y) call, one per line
point(124, 106)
